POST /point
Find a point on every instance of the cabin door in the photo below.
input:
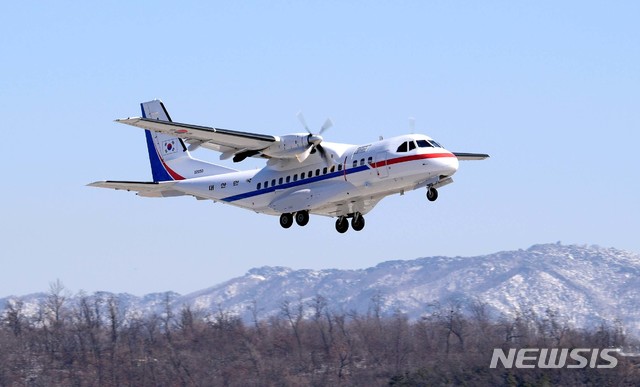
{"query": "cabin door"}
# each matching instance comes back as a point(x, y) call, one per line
point(381, 165)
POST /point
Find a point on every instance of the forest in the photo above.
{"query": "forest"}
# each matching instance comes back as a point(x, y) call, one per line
point(93, 341)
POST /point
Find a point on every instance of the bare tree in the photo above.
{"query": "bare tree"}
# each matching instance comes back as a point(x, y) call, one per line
point(14, 316)
point(92, 342)
point(294, 317)
point(55, 302)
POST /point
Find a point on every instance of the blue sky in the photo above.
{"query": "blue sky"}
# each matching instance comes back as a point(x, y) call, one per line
point(549, 89)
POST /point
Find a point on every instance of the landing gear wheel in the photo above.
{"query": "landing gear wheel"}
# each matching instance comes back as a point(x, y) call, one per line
point(432, 194)
point(342, 225)
point(302, 218)
point(357, 222)
point(286, 220)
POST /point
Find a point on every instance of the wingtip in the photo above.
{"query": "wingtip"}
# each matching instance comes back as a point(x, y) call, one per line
point(470, 156)
point(126, 120)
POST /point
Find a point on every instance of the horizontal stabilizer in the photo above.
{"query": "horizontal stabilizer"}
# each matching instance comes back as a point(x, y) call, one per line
point(147, 189)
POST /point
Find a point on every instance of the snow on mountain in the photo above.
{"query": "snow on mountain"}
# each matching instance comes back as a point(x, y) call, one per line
point(584, 285)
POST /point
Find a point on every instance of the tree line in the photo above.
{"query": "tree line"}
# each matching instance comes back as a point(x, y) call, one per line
point(93, 341)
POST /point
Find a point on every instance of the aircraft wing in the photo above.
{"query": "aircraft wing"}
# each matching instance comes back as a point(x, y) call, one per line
point(221, 140)
point(146, 189)
point(470, 156)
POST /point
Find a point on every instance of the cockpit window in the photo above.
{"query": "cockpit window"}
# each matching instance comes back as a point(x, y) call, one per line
point(402, 147)
point(435, 144)
point(424, 144)
point(412, 145)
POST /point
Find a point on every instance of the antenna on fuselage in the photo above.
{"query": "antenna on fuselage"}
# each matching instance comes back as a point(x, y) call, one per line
point(412, 125)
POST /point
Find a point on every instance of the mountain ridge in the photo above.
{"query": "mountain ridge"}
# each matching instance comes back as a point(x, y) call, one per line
point(583, 285)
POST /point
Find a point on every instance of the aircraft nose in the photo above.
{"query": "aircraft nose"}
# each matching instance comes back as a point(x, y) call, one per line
point(449, 165)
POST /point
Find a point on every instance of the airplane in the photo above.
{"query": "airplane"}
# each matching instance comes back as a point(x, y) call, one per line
point(303, 175)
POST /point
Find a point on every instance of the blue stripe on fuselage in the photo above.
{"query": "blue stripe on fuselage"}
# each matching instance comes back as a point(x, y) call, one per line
point(295, 183)
point(157, 169)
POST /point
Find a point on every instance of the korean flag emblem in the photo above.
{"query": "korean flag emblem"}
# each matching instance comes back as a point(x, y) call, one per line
point(169, 147)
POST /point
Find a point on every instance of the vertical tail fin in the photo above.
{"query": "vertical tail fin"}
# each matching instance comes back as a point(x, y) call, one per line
point(168, 155)
point(162, 147)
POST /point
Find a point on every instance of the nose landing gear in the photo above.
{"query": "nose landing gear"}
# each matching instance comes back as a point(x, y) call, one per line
point(432, 194)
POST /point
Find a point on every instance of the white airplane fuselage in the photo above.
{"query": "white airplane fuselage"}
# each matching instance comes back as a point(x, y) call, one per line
point(359, 171)
point(303, 174)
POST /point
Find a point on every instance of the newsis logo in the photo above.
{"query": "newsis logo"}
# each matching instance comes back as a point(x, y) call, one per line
point(555, 358)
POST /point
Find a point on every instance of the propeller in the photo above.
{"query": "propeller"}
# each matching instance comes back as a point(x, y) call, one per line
point(314, 140)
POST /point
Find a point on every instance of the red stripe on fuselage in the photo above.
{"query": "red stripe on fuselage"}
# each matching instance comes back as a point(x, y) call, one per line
point(411, 158)
point(171, 172)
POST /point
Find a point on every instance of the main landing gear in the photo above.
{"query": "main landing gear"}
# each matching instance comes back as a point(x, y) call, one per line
point(301, 217)
point(357, 223)
point(286, 220)
point(342, 224)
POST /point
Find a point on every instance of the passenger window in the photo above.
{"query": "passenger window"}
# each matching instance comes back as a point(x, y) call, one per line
point(295, 177)
point(355, 163)
point(310, 174)
point(333, 168)
point(273, 182)
point(412, 145)
point(402, 148)
point(317, 172)
point(259, 185)
point(266, 184)
point(288, 179)
point(280, 180)
point(370, 160)
point(339, 167)
point(361, 162)
point(302, 176)
point(324, 170)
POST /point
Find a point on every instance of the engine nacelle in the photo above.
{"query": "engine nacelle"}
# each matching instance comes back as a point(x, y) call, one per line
point(288, 146)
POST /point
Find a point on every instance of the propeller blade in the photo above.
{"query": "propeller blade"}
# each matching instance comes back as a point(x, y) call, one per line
point(324, 155)
point(327, 124)
point(303, 122)
point(314, 141)
point(303, 156)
